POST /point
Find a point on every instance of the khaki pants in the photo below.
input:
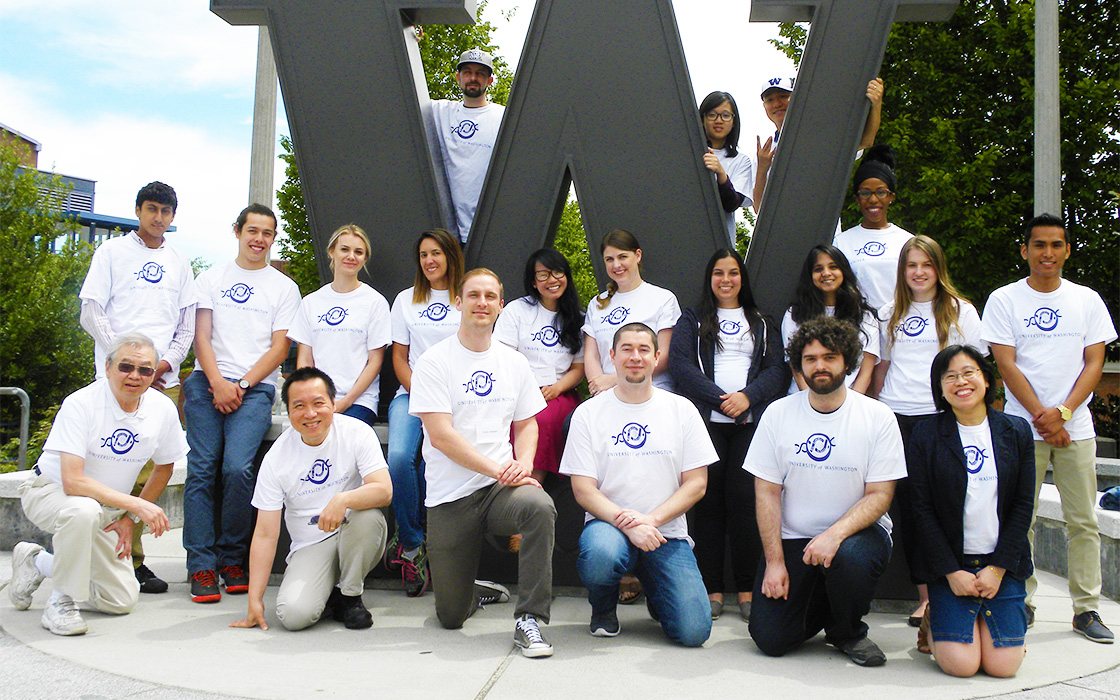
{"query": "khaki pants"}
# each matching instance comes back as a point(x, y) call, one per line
point(1075, 476)
point(141, 481)
point(86, 566)
point(343, 558)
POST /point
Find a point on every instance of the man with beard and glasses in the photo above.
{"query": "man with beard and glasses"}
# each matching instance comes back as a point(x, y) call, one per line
point(825, 462)
point(467, 132)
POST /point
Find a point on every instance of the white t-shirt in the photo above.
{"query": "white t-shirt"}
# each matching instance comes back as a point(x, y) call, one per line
point(466, 141)
point(529, 328)
point(733, 362)
point(649, 304)
point(249, 306)
point(1049, 332)
point(873, 254)
point(981, 516)
point(906, 388)
point(637, 452)
point(485, 392)
point(740, 170)
point(142, 290)
point(869, 337)
point(302, 479)
point(420, 326)
point(825, 460)
point(114, 444)
point(341, 330)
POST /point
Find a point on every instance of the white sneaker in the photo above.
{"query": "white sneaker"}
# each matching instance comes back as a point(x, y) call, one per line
point(62, 617)
point(527, 635)
point(25, 577)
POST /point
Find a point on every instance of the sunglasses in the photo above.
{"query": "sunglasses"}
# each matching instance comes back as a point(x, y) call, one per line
point(129, 368)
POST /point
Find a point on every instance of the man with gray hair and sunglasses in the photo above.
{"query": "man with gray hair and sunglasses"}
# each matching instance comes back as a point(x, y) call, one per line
point(102, 436)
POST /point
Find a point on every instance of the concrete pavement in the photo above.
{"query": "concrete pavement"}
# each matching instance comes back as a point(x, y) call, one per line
point(172, 648)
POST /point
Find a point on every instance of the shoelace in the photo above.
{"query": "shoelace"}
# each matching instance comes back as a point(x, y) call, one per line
point(411, 570)
point(66, 606)
point(233, 571)
point(529, 628)
point(205, 578)
point(488, 598)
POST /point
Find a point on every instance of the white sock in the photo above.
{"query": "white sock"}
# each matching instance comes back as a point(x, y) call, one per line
point(410, 554)
point(55, 595)
point(44, 562)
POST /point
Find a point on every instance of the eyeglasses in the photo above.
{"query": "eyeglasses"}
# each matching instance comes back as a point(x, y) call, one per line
point(966, 374)
point(866, 194)
point(719, 116)
point(129, 368)
point(543, 275)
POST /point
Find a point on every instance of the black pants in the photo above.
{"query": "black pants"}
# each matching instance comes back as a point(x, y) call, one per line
point(902, 508)
point(726, 512)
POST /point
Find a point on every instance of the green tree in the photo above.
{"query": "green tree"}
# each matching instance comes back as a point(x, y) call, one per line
point(959, 111)
point(43, 349)
point(440, 48)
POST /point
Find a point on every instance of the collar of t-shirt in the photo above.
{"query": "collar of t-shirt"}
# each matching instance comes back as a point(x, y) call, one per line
point(140, 241)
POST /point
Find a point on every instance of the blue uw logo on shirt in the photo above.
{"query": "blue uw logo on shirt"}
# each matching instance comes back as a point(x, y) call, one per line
point(913, 326)
point(872, 248)
point(729, 327)
point(120, 442)
point(818, 446)
point(633, 435)
point(320, 471)
point(617, 315)
point(465, 129)
point(334, 317)
point(974, 457)
point(436, 311)
point(239, 292)
point(547, 336)
point(481, 383)
point(1044, 319)
point(151, 272)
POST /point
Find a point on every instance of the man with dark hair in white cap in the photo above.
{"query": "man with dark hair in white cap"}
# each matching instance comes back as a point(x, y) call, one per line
point(467, 132)
point(775, 100)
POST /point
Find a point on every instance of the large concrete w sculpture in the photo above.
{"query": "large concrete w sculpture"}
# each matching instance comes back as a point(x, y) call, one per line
point(602, 97)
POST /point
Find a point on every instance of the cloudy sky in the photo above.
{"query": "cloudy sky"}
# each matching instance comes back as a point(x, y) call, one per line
point(124, 92)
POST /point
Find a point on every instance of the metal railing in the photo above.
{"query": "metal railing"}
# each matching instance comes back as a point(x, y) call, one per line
point(24, 419)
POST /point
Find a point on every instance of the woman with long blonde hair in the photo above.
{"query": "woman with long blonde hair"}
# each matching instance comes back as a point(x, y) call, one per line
point(927, 315)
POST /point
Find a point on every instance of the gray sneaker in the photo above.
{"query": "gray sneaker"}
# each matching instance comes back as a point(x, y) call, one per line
point(527, 635)
point(863, 652)
point(487, 592)
point(25, 577)
point(62, 617)
point(1089, 624)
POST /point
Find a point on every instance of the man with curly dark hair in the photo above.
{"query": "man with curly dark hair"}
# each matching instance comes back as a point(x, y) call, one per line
point(825, 463)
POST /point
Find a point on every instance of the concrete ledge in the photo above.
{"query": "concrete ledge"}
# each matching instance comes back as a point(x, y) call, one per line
point(15, 527)
point(1108, 473)
point(1050, 542)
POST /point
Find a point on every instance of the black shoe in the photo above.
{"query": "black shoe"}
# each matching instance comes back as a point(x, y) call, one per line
point(652, 612)
point(863, 652)
point(1090, 625)
point(149, 582)
point(235, 579)
point(204, 587)
point(1030, 616)
point(604, 624)
point(349, 610)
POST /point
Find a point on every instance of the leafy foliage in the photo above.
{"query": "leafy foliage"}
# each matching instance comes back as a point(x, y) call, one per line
point(572, 243)
point(296, 245)
point(43, 349)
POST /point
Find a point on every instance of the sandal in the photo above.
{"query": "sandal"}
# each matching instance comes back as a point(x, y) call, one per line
point(630, 591)
point(923, 633)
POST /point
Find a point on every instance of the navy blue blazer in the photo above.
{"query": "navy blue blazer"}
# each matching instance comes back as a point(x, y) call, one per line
point(938, 481)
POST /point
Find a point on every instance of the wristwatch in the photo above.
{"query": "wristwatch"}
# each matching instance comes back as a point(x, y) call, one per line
point(243, 384)
point(1066, 413)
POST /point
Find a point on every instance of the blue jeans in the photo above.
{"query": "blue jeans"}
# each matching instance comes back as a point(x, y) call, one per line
point(361, 413)
point(217, 514)
point(406, 469)
point(668, 574)
point(834, 599)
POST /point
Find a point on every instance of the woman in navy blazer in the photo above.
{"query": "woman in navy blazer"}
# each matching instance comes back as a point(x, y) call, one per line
point(972, 479)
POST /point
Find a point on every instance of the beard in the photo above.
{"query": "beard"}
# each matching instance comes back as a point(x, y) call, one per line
point(473, 90)
point(825, 383)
